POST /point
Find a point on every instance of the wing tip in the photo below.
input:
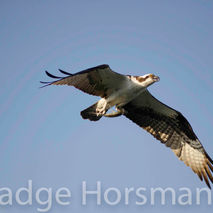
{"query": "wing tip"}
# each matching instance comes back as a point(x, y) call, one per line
point(208, 157)
point(64, 72)
point(46, 84)
point(205, 172)
point(51, 75)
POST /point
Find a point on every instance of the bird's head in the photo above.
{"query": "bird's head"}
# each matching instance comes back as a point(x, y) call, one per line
point(147, 80)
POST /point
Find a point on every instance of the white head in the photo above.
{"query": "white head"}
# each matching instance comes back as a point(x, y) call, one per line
point(146, 80)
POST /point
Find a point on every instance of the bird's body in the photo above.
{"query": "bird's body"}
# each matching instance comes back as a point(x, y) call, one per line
point(131, 98)
point(121, 97)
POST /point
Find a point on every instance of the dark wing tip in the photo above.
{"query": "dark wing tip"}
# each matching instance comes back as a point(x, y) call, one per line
point(64, 72)
point(200, 176)
point(51, 76)
point(209, 158)
point(207, 182)
point(46, 84)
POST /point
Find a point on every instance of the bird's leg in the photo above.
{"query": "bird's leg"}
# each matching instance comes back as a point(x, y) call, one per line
point(117, 113)
point(101, 107)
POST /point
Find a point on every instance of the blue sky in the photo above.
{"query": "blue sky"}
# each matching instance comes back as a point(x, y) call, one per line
point(44, 138)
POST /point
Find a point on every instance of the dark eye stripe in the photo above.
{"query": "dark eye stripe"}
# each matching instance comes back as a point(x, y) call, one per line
point(141, 79)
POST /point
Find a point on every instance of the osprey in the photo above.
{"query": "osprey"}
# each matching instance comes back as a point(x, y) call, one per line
point(131, 98)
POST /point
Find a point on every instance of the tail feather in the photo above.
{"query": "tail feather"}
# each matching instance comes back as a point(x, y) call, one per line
point(90, 113)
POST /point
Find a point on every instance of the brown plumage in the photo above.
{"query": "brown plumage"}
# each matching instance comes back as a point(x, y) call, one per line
point(173, 130)
point(94, 81)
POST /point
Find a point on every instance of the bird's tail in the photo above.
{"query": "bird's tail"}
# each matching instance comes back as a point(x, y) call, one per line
point(91, 113)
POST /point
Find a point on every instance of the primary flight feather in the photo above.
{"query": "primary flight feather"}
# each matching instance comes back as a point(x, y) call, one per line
point(131, 98)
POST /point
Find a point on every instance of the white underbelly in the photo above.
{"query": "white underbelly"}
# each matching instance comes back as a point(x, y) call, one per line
point(122, 97)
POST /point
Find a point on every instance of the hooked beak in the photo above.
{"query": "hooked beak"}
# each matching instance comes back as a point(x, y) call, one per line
point(156, 78)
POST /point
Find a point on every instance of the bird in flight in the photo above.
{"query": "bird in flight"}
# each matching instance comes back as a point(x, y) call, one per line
point(129, 95)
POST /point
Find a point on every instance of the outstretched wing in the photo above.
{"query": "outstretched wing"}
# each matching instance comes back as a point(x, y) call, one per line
point(99, 81)
point(171, 128)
